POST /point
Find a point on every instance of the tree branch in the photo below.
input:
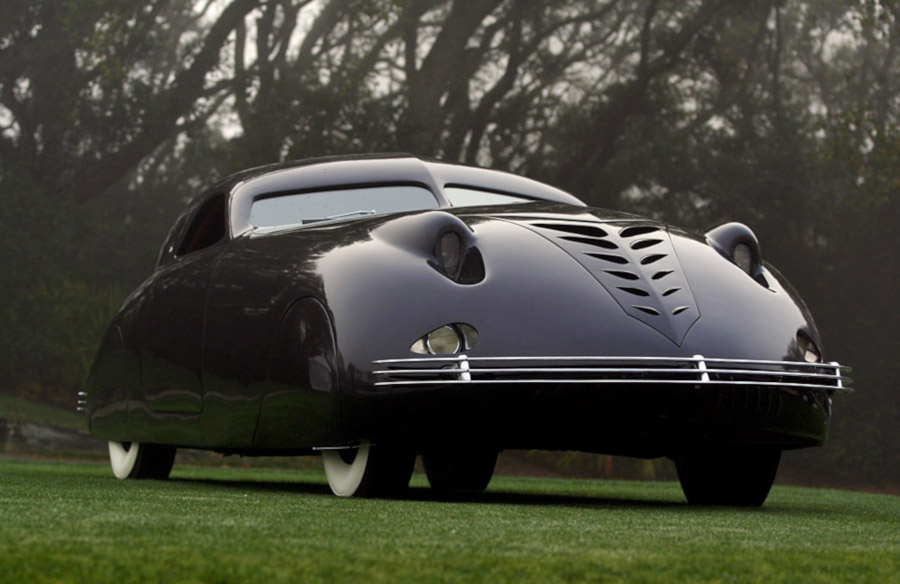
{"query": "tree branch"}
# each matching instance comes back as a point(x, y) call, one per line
point(99, 173)
point(628, 101)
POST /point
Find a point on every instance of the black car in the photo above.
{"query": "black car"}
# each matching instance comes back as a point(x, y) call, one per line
point(375, 308)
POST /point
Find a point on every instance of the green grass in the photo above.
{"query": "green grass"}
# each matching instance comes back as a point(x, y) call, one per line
point(73, 522)
point(23, 410)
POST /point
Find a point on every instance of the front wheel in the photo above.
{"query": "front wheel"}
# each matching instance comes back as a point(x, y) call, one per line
point(460, 469)
point(133, 460)
point(740, 476)
point(368, 470)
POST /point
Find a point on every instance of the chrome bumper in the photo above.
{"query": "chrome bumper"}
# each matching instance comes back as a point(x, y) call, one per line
point(696, 371)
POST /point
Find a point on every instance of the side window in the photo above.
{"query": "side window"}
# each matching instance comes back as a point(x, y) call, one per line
point(467, 197)
point(167, 252)
point(207, 227)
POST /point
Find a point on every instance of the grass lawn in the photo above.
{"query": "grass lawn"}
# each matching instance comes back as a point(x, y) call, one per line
point(73, 522)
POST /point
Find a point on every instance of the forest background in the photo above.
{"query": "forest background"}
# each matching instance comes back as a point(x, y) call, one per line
point(780, 114)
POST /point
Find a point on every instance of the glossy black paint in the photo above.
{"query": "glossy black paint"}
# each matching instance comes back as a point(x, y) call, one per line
point(263, 342)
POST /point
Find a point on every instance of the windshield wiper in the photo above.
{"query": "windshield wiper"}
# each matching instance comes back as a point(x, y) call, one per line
point(351, 214)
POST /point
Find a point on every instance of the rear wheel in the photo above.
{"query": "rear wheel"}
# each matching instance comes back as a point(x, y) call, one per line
point(460, 469)
point(729, 476)
point(133, 460)
point(368, 471)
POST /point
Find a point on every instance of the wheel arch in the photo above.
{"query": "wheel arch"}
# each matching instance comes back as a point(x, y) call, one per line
point(301, 405)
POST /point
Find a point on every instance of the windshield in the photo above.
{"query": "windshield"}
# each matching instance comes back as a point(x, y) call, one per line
point(465, 197)
point(304, 208)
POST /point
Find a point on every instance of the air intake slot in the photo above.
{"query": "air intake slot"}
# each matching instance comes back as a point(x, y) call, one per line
point(596, 242)
point(635, 291)
point(645, 243)
point(587, 229)
point(624, 275)
point(637, 230)
point(652, 259)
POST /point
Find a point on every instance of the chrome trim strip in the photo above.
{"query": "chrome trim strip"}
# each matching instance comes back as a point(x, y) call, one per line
point(840, 383)
point(701, 367)
point(694, 370)
point(612, 359)
point(705, 372)
point(607, 381)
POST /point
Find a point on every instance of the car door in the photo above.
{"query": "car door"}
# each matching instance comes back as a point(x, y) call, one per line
point(172, 324)
point(246, 304)
point(269, 357)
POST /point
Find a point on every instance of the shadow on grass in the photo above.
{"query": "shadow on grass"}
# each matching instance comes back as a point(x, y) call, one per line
point(428, 495)
point(601, 501)
point(537, 499)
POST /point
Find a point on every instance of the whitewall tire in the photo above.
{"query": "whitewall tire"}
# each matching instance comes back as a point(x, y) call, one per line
point(133, 460)
point(345, 477)
point(368, 471)
point(122, 456)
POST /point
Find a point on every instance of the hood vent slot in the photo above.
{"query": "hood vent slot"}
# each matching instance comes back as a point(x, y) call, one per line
point(634, 291)
point(636, 230)
point(624, 275)
point(644, 243)
point(577, 229)
point(652, 259)
point(596, 242)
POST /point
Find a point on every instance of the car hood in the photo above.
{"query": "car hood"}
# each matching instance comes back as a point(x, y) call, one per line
point(632, 258)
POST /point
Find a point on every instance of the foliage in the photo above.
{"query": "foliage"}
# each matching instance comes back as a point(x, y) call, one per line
point(53, 317)
point(75, 522)
point(88, 89)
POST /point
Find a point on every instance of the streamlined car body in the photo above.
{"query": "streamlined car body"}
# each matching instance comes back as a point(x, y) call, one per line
point(375, 308)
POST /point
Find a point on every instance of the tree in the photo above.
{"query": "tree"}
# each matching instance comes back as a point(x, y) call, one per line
point(88, 89)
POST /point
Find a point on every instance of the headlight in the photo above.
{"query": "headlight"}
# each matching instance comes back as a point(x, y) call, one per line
point(443, 341)
point(743, 257)
point(456, 256)
point(449, 339)
point(808, 349)
point(450, 253)
point(737, 243)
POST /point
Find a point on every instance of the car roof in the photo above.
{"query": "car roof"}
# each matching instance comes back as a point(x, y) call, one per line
point(335, 172)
